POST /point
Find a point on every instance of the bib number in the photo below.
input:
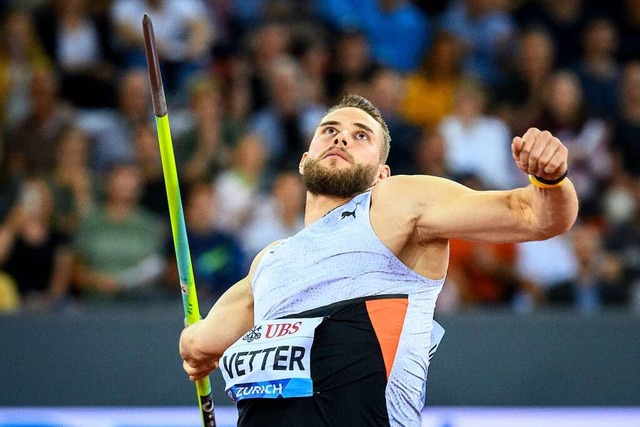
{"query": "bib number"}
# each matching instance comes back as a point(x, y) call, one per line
point(271, 361)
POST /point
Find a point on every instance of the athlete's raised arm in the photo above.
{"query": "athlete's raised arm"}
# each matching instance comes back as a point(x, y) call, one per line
point(443, 209)
point(202, 344)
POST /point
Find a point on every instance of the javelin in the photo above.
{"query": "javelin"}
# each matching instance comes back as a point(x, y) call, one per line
point(176, 214)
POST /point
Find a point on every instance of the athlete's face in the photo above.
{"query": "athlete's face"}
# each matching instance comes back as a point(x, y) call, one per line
point(344, 155)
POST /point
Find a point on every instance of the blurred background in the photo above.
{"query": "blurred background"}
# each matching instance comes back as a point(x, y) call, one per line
point(89, 300)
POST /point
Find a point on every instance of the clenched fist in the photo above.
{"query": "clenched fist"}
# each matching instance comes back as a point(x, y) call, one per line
point(540, 154)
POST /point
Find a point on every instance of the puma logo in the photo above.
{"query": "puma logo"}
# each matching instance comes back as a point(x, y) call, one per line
point(346, 214)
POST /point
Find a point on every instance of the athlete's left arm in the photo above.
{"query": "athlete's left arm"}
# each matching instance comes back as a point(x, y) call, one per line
point(442, 209)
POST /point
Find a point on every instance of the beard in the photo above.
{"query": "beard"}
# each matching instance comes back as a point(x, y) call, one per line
point(319, 179)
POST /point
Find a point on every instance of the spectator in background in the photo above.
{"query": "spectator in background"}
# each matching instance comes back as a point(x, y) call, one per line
point(284, 28)
point(630, 31)
point(598, 280)
point(430, 154)
point(119, 245)
point(313, 55)
point(20, 55)
point(385, 90)
point(153, 196)
point(618, 199)
point(183, 31)
point(236, 188)
point(287, 123)
point(235, 85)
point(519, 96)
point(112, 131)
point(483, 274)
point(623, 242)
point(564, 20)
point(598, 69)
point(626, 125)
point(267, 44)
point(217, 257)
point(278, 215)
point(565, 115)
point(10, 183)
point(350, 66)
point(32, 252)
point(398, 31)
point(485, 33)
point(544, 265)
point(72, 182)
point(205, 148)
point(476, 143)
point(224, 19)
point(250, 14)
point(80, 46)
point(430, 91)
point(32, 141)
point(10, 187)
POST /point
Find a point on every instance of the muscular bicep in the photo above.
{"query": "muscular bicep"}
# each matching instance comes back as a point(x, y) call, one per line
point(444, 209)
point(489, 216)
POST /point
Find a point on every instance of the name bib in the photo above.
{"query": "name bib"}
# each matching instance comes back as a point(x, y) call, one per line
point(271, 361)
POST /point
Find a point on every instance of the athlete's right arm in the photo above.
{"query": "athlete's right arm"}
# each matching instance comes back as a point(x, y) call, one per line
point(202, 344)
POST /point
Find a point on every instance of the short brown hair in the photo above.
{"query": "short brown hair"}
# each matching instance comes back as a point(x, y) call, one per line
point(362, 103)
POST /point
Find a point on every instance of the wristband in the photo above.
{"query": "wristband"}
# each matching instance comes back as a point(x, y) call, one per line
point(548, 183)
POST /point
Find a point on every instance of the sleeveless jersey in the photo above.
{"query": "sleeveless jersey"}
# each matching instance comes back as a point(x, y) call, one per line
point(370, 355)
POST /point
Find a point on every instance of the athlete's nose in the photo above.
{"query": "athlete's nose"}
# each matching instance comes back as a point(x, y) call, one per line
point(340, 139)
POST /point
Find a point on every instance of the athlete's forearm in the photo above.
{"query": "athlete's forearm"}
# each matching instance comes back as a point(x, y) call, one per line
point(552, 210)
point(227, 321)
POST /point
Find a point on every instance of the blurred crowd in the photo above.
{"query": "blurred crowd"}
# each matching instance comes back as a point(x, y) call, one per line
point(83, 209)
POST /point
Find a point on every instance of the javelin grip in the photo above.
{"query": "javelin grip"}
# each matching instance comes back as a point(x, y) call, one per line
point(178, 227)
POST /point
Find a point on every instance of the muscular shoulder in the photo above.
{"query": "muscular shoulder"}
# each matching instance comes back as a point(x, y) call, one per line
point(394, 209)
point(412, 193)
point(402, 203)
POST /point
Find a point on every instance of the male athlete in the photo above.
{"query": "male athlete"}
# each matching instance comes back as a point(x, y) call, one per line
point(334, 326)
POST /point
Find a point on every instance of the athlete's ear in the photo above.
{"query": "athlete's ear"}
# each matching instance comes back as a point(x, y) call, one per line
point(384, 171)
point(301, 164)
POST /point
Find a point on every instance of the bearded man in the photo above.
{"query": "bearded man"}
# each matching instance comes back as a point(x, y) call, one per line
point(334, 325)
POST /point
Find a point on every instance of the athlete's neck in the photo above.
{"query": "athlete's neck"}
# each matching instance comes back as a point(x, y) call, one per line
point(318, 205)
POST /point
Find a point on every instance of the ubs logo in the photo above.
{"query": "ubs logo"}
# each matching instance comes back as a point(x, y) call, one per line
point(253, 334)
point(281, 329)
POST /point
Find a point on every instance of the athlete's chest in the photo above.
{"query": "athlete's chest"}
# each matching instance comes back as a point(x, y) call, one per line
point(326, 260)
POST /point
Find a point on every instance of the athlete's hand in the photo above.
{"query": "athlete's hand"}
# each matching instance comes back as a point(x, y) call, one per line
point(198, 370)
point(195, 364)
point(540, 154)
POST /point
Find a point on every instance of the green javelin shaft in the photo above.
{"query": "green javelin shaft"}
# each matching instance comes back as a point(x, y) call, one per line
point(176, 213)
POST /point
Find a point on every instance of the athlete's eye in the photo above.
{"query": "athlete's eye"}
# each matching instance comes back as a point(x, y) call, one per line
point(362, 135)
point(330, 130)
